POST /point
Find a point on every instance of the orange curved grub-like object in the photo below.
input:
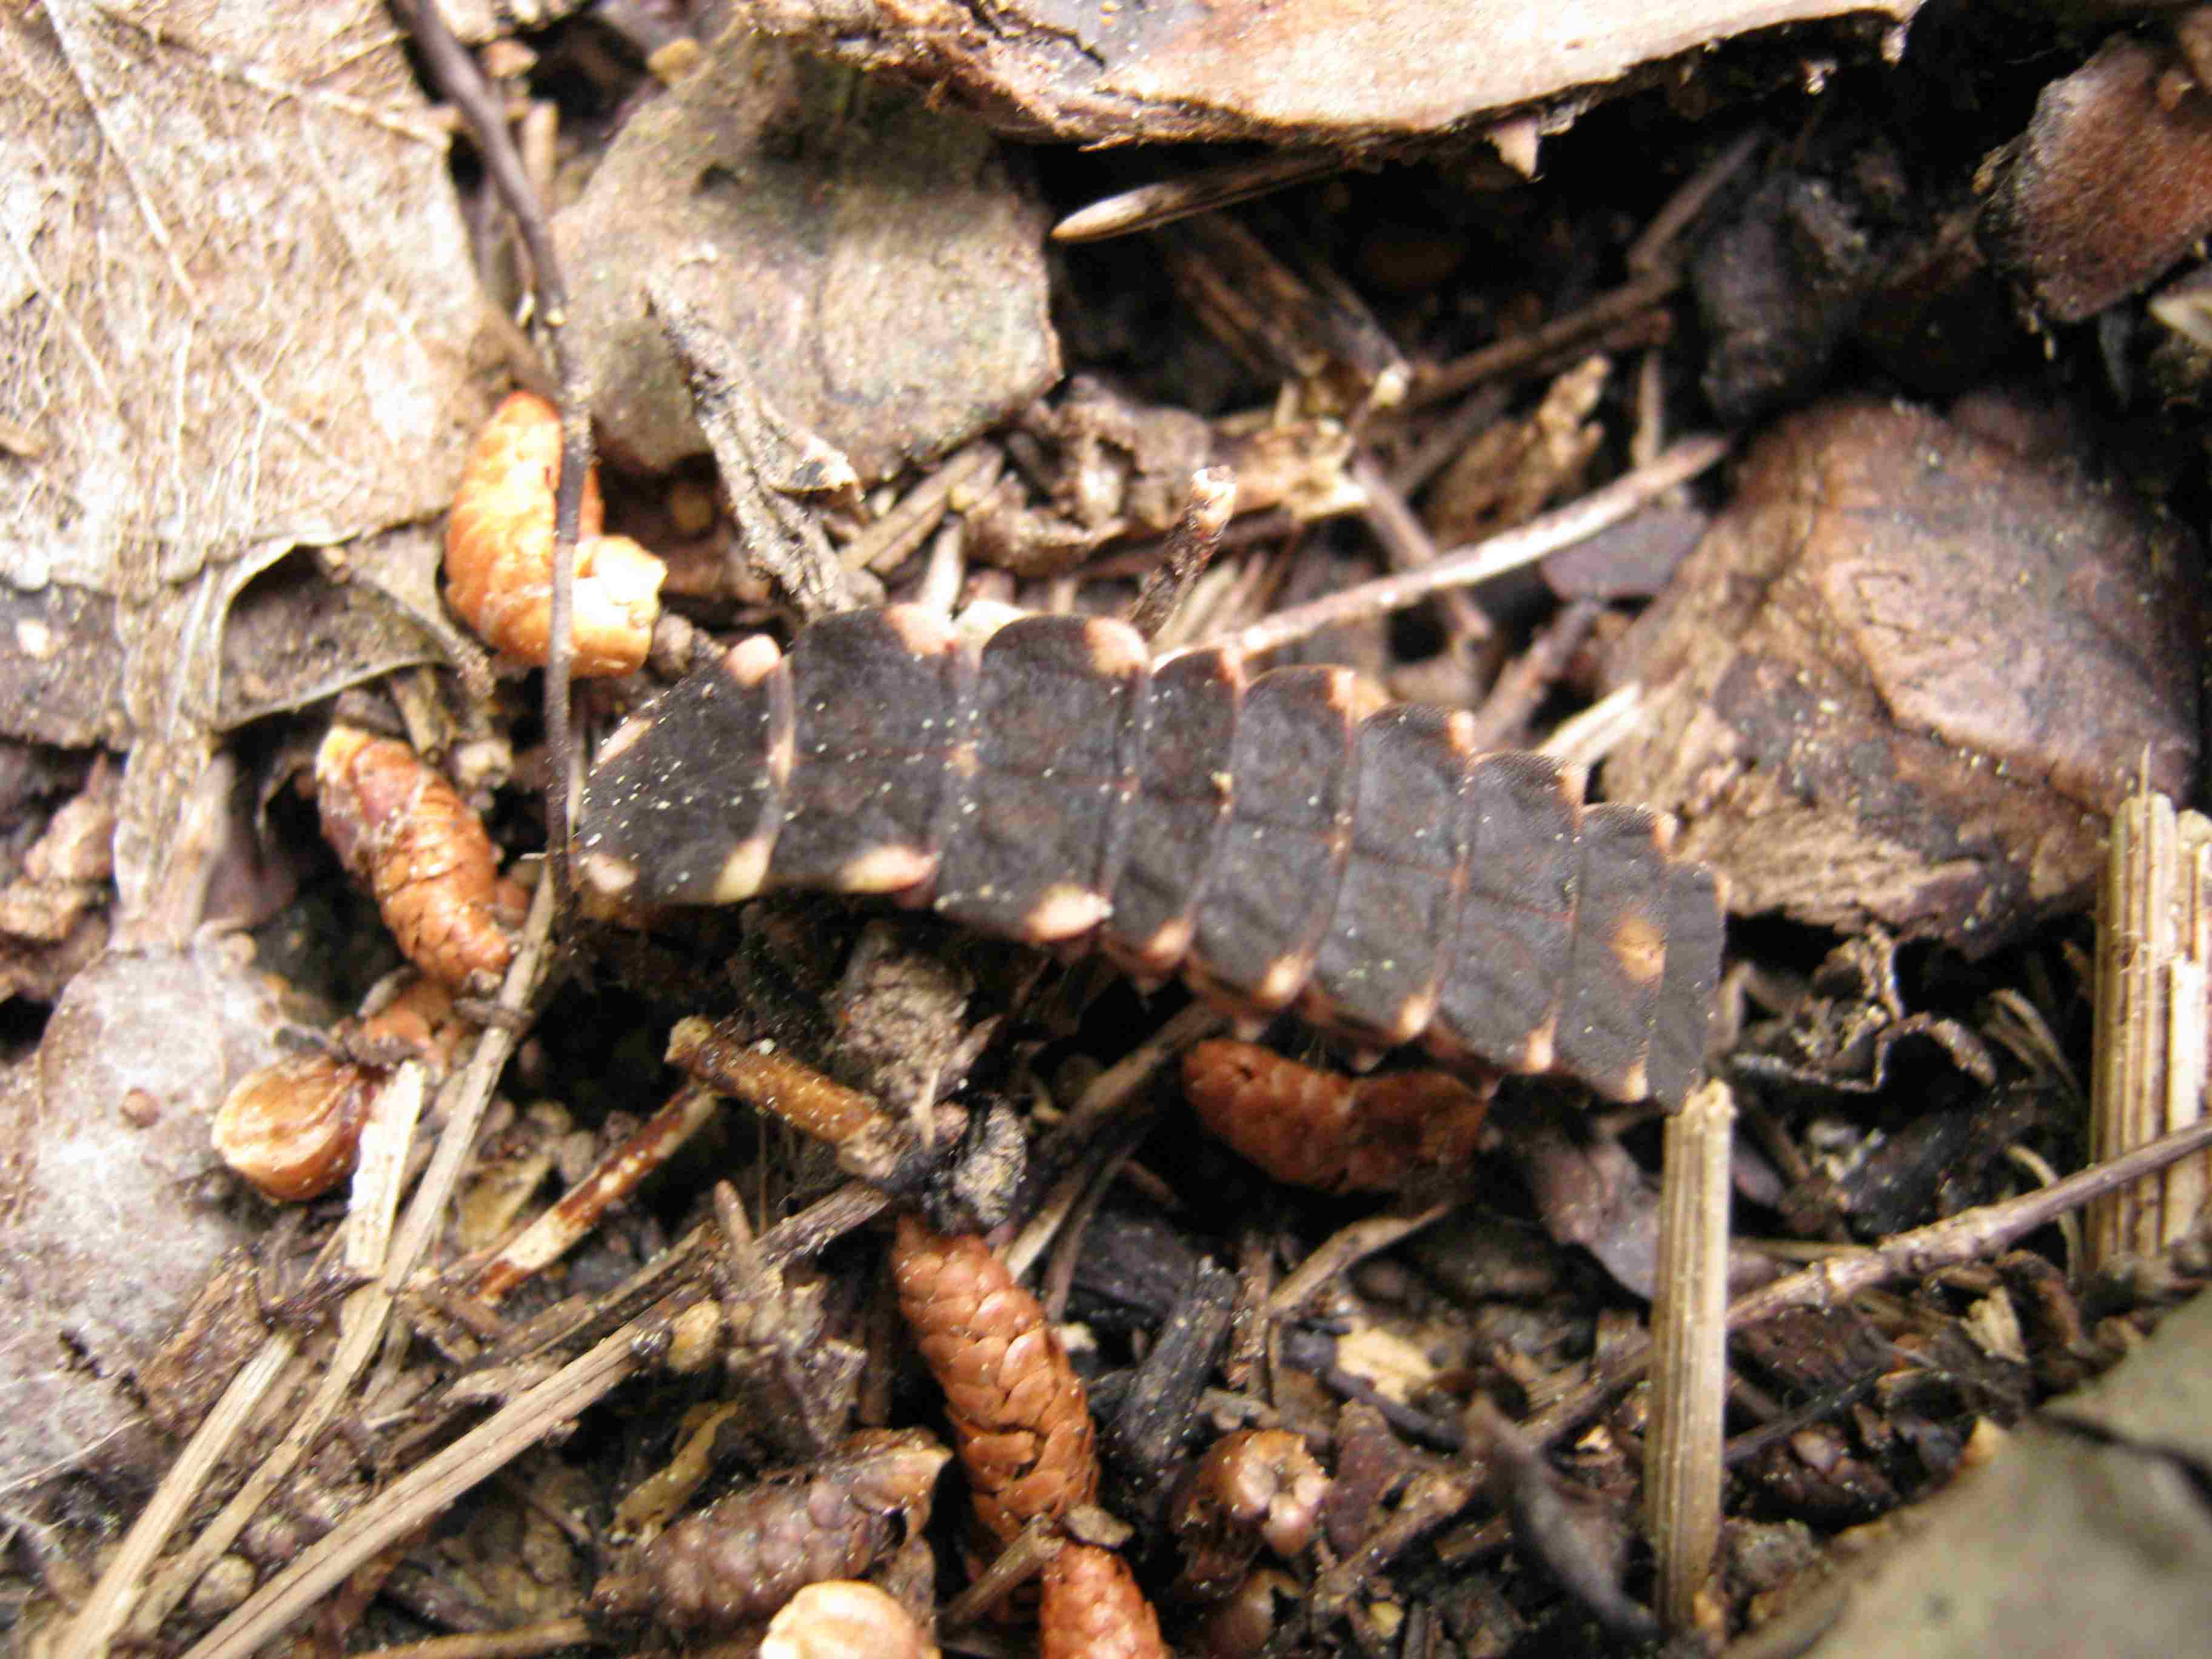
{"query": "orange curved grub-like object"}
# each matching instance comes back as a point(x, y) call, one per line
point(843, 1619)
point(397, 824)
point(1336, 1133)
point(499, 552)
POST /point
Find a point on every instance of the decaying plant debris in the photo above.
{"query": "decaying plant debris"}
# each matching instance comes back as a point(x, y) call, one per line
point(405, 1234)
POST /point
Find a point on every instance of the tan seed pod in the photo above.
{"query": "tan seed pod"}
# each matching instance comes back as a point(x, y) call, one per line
point(1093, 1609)
point(744, 1556)
point(1018, 1410)
point(842, 1618)
point(400, 827)
point(1253, 1487)
point(499, 552)
point(1335, 1133)
point(293, 1128)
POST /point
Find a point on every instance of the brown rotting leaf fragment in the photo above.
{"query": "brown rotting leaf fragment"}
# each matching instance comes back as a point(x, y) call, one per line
point(1018, 1411)
point(744, 1557)
point(1323, 1130)
point(1093, 1609)
point(397, 824)
point(499, 552)
point(1908, 673)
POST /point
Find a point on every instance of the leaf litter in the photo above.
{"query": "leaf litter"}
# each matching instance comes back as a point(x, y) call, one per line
point(250, 366)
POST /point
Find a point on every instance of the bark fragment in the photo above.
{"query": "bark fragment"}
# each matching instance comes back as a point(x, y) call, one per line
point(1906, 675)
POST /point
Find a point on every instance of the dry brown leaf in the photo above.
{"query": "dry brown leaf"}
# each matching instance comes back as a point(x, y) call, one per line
point(1908, 673)
point(189, 187)
point(185, 189)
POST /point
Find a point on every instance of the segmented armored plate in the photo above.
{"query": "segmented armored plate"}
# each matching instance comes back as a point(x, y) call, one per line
point(1287, 838)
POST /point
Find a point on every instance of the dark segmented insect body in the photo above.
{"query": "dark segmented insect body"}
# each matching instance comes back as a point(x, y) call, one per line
point(1285, 838)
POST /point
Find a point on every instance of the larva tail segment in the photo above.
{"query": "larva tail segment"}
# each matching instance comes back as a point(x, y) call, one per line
point(499, 552)
point(1284, 839)
point(1020, 1418)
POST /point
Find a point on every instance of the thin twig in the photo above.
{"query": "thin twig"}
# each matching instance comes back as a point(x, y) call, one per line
point(1346, 1248)
point(459, 78)
point(1189, 548)
point(1521, 689)
point(1479, 562)
point(1434, 1496)
point(1656, 246)
point(1510, 356)
point(1060, 1273)
point(613, 1178)
point(885, 544)
point(1407, 545)
point(1966, 1236)
point(1111, 1092)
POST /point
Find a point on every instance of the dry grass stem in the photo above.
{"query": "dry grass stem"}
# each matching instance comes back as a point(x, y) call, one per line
point(368, 1310)
point(428, 1490)
point(117, 1597)
point(548, 1636)
point(101, 1617)
point(1689, 1354)
point(2150, 1018)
